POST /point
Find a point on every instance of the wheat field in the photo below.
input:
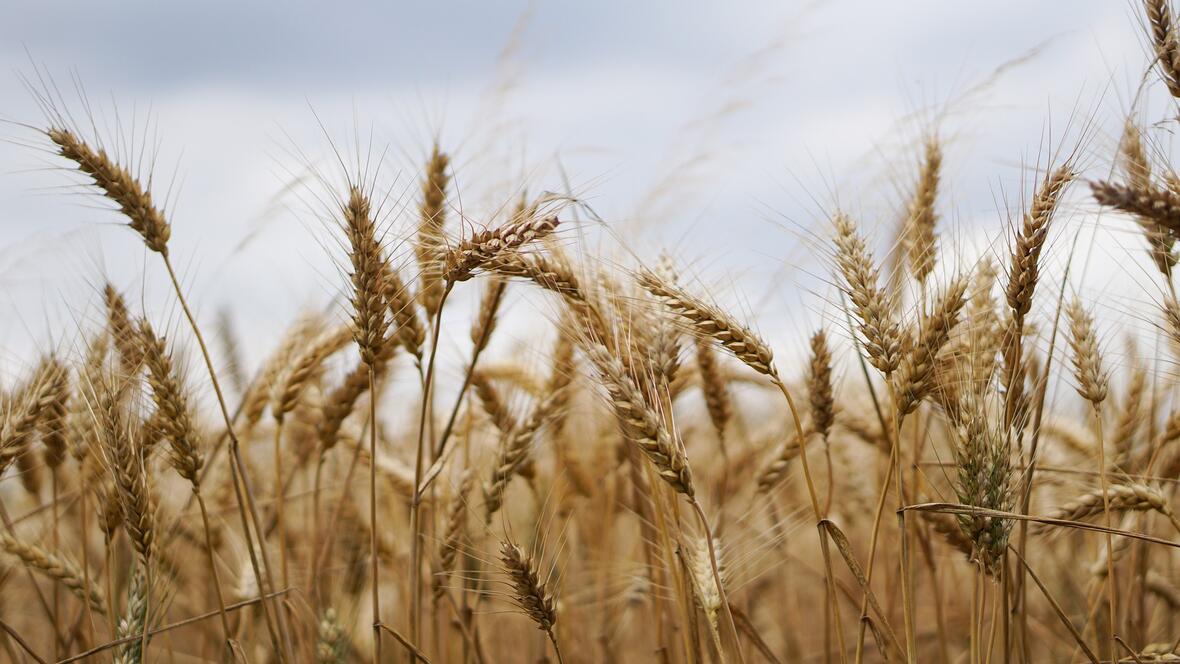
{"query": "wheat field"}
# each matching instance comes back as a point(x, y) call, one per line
point(963, 463)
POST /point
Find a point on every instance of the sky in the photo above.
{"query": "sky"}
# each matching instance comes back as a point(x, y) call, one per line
point(723, 133)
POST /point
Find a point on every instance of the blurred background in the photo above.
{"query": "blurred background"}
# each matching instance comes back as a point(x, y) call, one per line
point(722, 132)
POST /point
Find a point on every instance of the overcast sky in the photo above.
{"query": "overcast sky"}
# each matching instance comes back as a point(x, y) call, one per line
point(722, 131)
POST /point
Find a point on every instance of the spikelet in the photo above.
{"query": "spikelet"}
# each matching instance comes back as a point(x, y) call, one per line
point(258, 395)
point(982, 333)
point(390, 468)
point(489, 397)
point(1130, 415)
point(1134, 158)
point(866, 429)
point(339, 403)
point(562, 375)
point(83, 430)
point(554, 274)
point(122, 331)
point(117, 183)
point(1118, 549)
point(546, 272)
point(1168, 464)
point(1159, 585)
point(1160, 240)
point(110, 510)
point(1171, 315)
point(1153, 653)
point(28, 469)
point(235, 366)
point(561, 382)
point(951, 531)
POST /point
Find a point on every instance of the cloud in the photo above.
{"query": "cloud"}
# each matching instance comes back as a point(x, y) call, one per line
point(628, 96)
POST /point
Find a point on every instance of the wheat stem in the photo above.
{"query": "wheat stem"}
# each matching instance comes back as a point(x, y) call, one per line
point(373, 562)
point(811, 493)
point(235, 452)
point(416, 503)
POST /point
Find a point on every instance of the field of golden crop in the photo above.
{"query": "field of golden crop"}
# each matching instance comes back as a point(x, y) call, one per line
point(963, 463)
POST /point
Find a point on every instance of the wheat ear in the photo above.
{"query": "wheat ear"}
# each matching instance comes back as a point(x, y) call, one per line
point(485, 246)
point(921, 247)
point(530, 592)
point(1163, 37)
point(55, 567)
point(431, 235)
